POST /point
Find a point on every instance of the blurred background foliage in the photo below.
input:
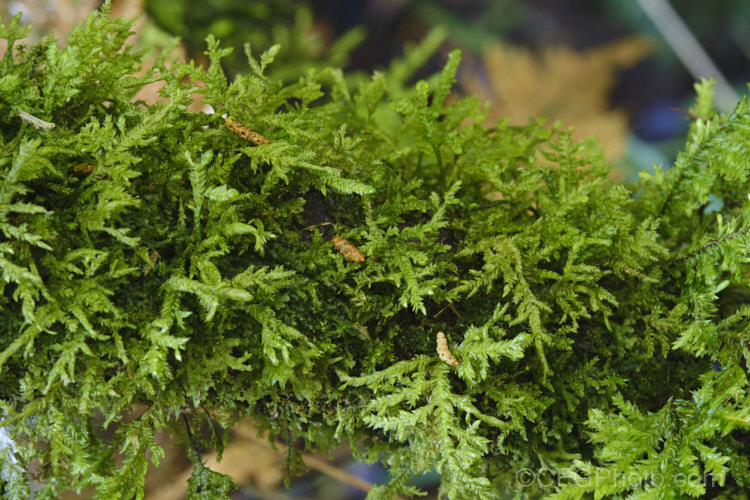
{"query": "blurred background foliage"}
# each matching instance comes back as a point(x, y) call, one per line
point(603, 67)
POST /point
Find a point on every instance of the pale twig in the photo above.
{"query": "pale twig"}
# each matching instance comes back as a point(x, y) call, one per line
point(314, 463)
point(689, 50)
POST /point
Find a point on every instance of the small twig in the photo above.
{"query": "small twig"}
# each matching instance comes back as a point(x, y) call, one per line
point(316, 226)
point(441, 311)
point(191, 441)
point(37, 123)
point(450, 305)
point(688, 50)
point(728, 400)
point(714, 243)
point(685, 112)
point(317, 464)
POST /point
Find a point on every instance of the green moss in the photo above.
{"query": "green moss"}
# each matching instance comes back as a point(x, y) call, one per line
point(190, 276)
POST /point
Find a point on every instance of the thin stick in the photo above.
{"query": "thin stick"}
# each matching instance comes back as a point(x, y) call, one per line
point(688, 50)
point(37, 123)
point(316, 463)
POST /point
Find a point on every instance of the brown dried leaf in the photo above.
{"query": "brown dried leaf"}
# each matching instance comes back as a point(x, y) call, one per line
point(559, 83)
point(443, 351)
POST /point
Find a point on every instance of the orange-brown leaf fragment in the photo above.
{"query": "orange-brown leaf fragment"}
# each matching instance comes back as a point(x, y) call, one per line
point(152, 258)
point(559, 83)
point(443, 351)
point(349, 251)
point(83, 169)
point(245, 133)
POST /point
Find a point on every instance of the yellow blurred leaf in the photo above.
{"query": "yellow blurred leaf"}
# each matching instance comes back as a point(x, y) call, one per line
point(559, 83)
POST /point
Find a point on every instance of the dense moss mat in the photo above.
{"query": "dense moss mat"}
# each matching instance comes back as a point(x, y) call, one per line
point(160, 271)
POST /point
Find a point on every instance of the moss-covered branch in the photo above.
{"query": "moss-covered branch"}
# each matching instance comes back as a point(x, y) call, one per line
point(188, 272)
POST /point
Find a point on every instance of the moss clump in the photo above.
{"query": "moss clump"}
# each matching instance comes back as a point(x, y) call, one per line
point(600, 331)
